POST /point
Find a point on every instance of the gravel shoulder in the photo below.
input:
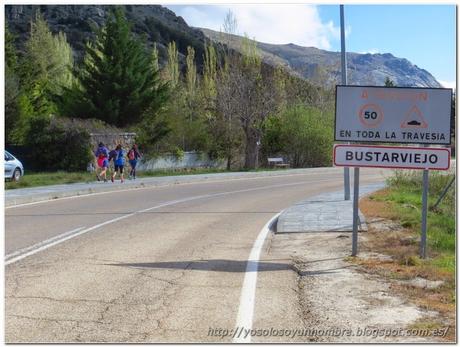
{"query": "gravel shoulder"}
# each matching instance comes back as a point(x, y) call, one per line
point(336, 301)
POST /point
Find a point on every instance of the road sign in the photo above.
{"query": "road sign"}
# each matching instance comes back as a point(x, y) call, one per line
point(392, 157)
point(389, 114)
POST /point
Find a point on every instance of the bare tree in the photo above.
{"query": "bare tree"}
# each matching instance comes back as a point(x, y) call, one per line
point(245, 91)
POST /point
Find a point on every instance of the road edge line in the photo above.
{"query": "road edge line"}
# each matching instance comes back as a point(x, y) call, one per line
point(248, 291)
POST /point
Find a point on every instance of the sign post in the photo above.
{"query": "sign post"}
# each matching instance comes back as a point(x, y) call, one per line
point(424, 214)
point(346, 171)
point(392, 115)
point(354, 239)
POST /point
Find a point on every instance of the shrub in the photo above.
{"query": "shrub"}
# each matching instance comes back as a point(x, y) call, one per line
point(54, 145)
point(304, 135)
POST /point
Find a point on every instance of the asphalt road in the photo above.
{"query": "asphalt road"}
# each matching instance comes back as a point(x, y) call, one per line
point(162, 264)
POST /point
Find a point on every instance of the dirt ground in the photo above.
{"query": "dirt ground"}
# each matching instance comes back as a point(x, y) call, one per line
point(339, 302)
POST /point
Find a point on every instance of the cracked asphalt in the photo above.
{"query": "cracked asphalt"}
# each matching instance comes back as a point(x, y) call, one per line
point(170, 274)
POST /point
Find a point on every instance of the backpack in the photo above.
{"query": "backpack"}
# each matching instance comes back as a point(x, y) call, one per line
point(112, 154)
point(101, 152)
point(131, 155)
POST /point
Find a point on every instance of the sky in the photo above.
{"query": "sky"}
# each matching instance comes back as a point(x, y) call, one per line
point(424, 34)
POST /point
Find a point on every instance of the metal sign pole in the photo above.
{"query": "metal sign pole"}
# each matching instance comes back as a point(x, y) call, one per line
point(424, 214)
point(346, 170)
point(354, 242)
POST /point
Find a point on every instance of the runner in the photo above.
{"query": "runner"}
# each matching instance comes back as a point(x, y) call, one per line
point(119, 163)
point(112, 156)
point(133, 157)
point(102, 154)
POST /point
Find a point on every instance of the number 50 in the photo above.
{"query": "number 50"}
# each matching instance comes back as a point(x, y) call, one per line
point(370, 115)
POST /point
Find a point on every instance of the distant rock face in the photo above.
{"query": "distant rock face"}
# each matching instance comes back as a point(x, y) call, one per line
point(324, 67)
point(159, 24)
point(152, 22)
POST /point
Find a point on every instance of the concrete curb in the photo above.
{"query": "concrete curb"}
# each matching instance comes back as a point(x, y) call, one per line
point(30, 195)
point(326, 212)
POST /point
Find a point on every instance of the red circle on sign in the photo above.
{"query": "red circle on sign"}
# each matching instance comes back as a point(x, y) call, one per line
point(370, 115)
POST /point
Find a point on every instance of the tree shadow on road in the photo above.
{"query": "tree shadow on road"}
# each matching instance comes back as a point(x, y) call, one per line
point(223, 265)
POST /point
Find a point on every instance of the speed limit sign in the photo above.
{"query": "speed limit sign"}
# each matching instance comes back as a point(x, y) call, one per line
point(390, 114)
point(370, 115)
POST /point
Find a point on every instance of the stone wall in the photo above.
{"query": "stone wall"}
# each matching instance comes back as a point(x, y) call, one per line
point(190, 160)
point(111, 140)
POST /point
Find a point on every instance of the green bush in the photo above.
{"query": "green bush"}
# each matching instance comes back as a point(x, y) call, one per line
point(57, 145)
point(304, 135)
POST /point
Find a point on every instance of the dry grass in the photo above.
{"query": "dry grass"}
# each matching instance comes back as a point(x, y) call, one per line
point(402, 245)
point(373, 206)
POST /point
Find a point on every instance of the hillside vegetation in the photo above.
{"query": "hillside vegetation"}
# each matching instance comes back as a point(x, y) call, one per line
point(235, 106)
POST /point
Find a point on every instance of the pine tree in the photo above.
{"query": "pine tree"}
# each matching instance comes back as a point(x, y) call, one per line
point(119, 84)
point(389, 82)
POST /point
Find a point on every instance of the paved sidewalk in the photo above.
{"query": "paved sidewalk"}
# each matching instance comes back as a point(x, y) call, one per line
point(325, 212)
point(28, 195)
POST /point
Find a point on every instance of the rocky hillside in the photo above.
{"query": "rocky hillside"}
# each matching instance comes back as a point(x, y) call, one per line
point(323, 66)
point(159, 24)
point(152, 22)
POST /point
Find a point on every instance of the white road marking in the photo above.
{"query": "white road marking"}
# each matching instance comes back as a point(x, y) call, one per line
point(160, 186)
point(25, 252)
point(11, 258)
point(248, 291)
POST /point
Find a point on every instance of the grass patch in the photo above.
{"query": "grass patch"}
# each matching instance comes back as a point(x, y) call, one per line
point(37, 179)
point(405, 200)
point(401, 205)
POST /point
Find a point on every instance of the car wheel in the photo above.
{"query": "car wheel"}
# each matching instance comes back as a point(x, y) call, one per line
point(17, 175)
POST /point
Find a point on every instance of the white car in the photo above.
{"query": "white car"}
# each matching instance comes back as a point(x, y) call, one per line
point(13, 167)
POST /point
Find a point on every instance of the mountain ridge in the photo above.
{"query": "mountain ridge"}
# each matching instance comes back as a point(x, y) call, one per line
point(323, 66)
point(152, 23)
point(156, 23)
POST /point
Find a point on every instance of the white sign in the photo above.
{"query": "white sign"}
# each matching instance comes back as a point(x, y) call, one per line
point(392, 157)
point(384, 114)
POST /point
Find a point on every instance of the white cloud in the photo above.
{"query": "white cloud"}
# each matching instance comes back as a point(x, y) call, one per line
point(271, 23)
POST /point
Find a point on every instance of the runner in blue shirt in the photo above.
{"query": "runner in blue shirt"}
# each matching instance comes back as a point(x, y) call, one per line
point(119, 163)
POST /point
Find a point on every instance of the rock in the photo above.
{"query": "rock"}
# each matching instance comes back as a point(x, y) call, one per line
point(376, 256)
point(384, 225)
point(423, 283)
